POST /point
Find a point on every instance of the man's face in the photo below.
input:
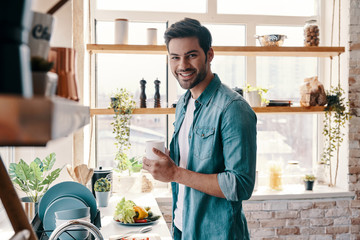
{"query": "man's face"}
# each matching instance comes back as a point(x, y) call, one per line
point(188, 61)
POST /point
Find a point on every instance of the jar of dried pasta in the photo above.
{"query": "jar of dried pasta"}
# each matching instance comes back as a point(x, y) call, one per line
point(311, 33)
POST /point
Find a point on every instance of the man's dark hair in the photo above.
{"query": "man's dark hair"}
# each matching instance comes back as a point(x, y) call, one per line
point(189, 28)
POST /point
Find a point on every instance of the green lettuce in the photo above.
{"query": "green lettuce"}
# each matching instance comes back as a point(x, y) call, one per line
point(124, 211)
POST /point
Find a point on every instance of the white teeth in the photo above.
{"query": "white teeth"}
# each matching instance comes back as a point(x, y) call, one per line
point(186, 74)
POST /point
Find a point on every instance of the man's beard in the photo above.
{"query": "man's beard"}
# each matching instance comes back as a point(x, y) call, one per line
point(199, 78)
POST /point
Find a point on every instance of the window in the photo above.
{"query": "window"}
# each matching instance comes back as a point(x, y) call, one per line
point(265, 7)
point(283, 137)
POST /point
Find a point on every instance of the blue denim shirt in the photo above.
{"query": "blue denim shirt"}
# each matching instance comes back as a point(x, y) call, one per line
point(222, 139)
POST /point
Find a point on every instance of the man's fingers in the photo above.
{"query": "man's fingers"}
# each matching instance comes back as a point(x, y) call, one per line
point(158, 152)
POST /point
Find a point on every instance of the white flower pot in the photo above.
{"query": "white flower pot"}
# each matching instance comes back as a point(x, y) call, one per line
point(102, 198)
point(253, 98)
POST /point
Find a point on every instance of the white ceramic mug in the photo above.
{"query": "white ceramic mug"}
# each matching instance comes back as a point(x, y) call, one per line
point(158, 144)
point(121, 31)
point(40, 34)
point(152, 36)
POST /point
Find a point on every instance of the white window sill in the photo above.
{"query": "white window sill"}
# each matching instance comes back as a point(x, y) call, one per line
point(289, 192)
point(297, 191)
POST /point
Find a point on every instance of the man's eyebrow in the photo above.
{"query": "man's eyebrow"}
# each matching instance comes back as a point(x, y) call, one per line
point(187, 53)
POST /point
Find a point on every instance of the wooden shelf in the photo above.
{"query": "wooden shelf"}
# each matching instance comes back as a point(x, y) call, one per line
point(306, 110)
point(105, 111)
point(224, 50)
point(35, 121)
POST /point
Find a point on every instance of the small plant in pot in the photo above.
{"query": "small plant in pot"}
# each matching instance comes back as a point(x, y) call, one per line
point(309, 180)
point(34, 179)
point(255, 95)
point(102, 188)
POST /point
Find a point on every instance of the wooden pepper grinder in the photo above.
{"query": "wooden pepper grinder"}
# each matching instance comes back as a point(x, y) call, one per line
point(157, 94)
point(142, 94)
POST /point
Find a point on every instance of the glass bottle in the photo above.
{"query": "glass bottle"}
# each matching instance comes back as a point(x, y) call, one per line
point(275, 175)
point(311, 33)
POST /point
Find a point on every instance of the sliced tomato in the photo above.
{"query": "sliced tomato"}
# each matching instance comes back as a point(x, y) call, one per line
point(140, 220)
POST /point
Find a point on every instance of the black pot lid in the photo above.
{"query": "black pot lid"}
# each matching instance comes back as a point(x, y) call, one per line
point(101, 170)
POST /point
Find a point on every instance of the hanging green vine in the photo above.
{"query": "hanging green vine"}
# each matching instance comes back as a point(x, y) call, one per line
point(123, 104)
point(336, 116)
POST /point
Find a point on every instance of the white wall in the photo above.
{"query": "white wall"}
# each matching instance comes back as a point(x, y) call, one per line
point(61, 37)
point(62, 32)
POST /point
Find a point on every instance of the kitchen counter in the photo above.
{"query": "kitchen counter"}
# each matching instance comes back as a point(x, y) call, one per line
point(109, 226)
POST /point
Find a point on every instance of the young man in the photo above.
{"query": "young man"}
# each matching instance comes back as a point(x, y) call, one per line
point(213, 150)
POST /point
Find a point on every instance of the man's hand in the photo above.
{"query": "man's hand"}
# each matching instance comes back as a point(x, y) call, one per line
point(164, 170)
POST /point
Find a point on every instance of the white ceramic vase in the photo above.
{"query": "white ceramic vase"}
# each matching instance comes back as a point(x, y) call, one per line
point(253, 98)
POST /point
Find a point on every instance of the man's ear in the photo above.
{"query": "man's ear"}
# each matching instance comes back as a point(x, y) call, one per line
point(210, 55)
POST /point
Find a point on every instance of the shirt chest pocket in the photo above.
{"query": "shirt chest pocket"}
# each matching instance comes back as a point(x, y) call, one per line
point(204, 142)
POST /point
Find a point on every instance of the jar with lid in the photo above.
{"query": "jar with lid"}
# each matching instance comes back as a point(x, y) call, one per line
point(293, 172)
point(311, 33)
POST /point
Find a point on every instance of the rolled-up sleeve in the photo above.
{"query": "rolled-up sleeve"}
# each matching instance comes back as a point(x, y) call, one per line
point(238, 131)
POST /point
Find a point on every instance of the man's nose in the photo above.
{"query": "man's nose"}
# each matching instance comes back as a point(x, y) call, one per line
point(184, 64)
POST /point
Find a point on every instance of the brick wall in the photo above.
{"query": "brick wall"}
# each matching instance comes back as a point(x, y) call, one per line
point(323, 219)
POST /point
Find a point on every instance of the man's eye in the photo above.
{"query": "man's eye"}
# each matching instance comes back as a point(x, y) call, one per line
point(174, 58)
point(192, 55)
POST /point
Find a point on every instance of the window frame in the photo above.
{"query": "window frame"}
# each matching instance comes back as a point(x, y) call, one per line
point(211, 17)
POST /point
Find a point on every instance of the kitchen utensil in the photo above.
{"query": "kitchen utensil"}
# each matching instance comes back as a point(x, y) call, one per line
point(125, 235)
point(65, 189)
point(81, 173)
point(62, 203)
point(101, 173)
point(64, 66)
point(89, 175)
point(73, 213)
point(271, 40)
point(71, 172)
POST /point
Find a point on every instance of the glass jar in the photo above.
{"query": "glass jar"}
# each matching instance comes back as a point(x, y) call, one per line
point(275, 175)
point(311, 33)
point(293, 173)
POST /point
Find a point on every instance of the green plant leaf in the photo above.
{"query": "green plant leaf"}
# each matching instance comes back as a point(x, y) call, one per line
point(22, 171)
point(52, 176)
point(49, 161)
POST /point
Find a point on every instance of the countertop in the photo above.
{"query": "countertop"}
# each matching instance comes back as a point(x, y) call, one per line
point(109, 226)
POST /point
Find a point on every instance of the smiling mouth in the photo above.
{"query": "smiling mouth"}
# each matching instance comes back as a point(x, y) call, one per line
point(186, 74)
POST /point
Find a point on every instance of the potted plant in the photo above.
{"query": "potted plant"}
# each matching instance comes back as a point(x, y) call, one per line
point(336, 116)
point(102, 188)
point(44, 81)
point(255, 95)
point(309, 180)
point(123, 104)
point(34, 179)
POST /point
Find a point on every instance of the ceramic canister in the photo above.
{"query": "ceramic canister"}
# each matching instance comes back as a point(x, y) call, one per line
point(40, 34)
point(152, 36)
point(121, 31)
point(101, 173)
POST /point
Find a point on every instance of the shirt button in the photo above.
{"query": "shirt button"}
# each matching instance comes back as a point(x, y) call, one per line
point(202, 135)
point(189, 136)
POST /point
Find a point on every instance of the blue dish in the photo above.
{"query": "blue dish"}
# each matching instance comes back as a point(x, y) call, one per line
point(62, 203)
point(65, 189)
point(72, 213)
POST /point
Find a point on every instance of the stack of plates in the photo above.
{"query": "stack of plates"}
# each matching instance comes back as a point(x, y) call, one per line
point(279, 103)
point(64, 196)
